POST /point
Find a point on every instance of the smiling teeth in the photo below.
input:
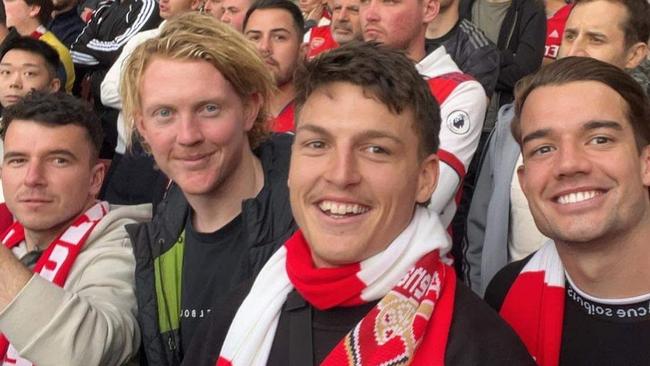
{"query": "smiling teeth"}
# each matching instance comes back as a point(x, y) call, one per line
point(576, 197)
point(342, 208)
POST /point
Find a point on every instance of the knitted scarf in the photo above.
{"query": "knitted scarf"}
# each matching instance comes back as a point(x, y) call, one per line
point(55, 263)
point(409, 325)
point(534, 305)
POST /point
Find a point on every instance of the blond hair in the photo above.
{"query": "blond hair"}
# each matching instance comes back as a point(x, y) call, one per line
point(195, 36)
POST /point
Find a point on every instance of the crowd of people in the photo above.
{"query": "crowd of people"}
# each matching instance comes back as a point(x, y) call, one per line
point(340, 182)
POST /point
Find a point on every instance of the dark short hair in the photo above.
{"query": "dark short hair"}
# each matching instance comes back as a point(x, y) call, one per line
point(56, 109)
point(45, 13)
point(636, 27)
point(574, 69)
point(293, 9)
point(31, 45)
point(386, 75)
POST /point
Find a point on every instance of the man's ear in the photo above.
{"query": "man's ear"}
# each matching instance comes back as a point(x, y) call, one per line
point(636, 54)
point(138, 124)
point(251, 110)
point(431, 10)
point(55, 85)
point(645, 165)
point(98, 171)
point(428, 178)
point(304, 50)
point(34, 11)
point(521, 176)
point(196, 4)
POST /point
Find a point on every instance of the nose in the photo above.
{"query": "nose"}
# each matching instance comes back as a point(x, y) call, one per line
point(225, 17)
point(16, 81)
point(577, 48)
point(189, 132)
point(35, 174)
point(342, 169)
point(368, 11)
point(264, 45)
point(343, 15)
point(572, 160)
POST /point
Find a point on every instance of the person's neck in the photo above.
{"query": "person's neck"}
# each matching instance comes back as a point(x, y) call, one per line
point(285, 94)
point(613, 267)
point(214, 210)
point(415, 51)
point(41, 239)
point(27, 28)
point(443, 22)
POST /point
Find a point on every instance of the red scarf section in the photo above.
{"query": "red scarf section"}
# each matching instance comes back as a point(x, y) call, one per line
point(324, 288)
point(534, 305)
point(57, 260)
point(409, 325)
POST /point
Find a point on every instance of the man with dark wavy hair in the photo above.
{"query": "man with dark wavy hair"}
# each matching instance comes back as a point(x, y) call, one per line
point(586, 175)
point(366, 280)
point(67, 293)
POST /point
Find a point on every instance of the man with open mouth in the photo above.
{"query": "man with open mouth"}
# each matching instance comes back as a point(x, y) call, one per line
point(366, 279)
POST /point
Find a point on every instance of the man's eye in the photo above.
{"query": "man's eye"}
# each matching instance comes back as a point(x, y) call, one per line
point(15, 161)
point(60, 161)
point(542, 150)
point(599, 140)
point(315, 144)
point(374, 149)
point(163, 112)
point(597, 41)
point(210, 110)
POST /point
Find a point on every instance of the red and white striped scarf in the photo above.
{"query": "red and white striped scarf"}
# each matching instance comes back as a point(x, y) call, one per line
point(409, 325)
point(55, 263)
point(534, 305)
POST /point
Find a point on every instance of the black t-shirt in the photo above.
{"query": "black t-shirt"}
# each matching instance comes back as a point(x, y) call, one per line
point(593, 332)
point(306, 335)
point(211, 258)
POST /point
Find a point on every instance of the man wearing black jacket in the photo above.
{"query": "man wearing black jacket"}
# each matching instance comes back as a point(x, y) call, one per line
point(198, 96)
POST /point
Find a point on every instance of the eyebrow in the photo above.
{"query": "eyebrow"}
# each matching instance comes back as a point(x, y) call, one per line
point(274, 30)
point(590, 125)
point(596, 34)
point(67, 153)
point(368, 134)
point(538, 134)
point(595, 124)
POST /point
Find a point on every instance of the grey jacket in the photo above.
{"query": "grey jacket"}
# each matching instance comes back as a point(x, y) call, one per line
point(488, 220)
